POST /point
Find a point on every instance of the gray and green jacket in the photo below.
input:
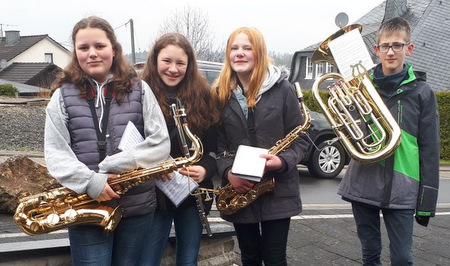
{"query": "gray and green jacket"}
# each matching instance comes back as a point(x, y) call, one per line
point(409, 179)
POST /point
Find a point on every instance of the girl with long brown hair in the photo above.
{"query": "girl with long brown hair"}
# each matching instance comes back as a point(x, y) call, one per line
point(172, 73)
point(92, 103)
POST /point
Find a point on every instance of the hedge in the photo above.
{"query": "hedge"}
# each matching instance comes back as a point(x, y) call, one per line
point(8, 90)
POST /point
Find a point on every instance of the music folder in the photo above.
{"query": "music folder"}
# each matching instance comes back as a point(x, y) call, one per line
point(248, 164)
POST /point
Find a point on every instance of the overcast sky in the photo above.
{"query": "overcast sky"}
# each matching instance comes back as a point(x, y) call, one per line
point(287, 25)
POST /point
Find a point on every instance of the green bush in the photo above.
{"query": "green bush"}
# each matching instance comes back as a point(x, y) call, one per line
point(311, 103)
point(8, 90)
point(443, 98)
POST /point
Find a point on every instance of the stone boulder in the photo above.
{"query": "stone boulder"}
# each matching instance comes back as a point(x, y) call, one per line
point(19, 175)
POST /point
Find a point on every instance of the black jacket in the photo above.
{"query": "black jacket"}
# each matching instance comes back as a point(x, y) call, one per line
point(276, 114)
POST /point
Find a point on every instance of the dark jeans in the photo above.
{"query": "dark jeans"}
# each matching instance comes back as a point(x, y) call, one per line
point(90, 246)
point(188, 232)
point(263, 242)
point(399, 227)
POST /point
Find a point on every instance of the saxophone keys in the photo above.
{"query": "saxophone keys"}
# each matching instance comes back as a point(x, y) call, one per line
point(207, 196)
point(70, 215)
point(52, 219)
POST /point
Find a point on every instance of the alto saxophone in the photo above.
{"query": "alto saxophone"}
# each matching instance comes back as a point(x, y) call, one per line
point(61, 207)
point(229, 201)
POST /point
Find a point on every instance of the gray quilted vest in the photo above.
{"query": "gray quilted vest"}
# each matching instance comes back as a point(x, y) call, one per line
point(140, 199)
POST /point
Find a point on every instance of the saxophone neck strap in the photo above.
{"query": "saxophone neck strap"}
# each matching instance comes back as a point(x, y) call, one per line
point(251, 127)
point(101, 134)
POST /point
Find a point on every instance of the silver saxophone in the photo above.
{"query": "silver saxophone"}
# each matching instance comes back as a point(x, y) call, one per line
point(177, 110)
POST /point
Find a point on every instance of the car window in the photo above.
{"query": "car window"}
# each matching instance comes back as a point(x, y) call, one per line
point(210, 75)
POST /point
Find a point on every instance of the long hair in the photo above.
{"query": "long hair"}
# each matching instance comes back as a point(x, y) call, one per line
point(193, 91)
point(123, 73)
point(228, 80)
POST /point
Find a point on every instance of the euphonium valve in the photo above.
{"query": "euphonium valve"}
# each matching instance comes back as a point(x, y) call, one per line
point(355, 110)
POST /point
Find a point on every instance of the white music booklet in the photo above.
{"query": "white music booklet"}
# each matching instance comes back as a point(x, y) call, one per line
point(130, 138)
point(248, 164)
point(349, 50)
point(177, 188)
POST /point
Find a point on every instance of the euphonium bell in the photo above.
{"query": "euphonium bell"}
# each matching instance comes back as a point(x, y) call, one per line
point(355, 110)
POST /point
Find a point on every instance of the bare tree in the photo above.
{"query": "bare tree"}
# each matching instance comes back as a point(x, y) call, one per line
point(194, 25)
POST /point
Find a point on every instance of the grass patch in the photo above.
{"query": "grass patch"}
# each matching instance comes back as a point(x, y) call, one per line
point(444, 162)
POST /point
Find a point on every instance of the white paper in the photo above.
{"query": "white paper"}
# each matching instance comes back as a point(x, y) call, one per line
point(248, 164)
point(177, 188)
point(349, 50)
point(130, 138)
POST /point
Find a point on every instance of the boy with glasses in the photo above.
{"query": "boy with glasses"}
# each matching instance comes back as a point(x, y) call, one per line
point(404, 185)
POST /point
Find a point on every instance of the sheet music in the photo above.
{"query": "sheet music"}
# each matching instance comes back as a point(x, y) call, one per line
point(178, 188)
point(130, 138)
point(348, 50)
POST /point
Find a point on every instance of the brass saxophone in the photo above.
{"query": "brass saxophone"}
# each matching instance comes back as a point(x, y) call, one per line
point(61, 207)
point(229, 201)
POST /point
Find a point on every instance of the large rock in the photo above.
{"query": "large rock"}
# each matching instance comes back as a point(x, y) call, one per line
point(19, 175)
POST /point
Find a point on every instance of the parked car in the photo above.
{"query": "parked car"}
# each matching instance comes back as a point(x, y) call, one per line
point(326, 157)
point(210, 70)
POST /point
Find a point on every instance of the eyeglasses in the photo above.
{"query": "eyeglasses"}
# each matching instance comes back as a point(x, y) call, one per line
point(396, 47)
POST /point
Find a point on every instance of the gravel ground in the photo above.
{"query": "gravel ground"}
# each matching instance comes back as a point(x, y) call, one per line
point(22, 127)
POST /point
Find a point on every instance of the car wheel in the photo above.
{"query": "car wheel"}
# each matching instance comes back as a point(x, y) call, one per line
point(327, 161)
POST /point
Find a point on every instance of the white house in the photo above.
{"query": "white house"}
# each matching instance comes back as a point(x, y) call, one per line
point(32, 49)
point(32, 60)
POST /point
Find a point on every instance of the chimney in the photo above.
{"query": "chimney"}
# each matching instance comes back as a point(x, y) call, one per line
point(395, 8)
point(12, 37)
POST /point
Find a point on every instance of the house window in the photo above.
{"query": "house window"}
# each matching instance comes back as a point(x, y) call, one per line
point(309, 68)
point(329, 68)
point(319, 70)
point(48, 58)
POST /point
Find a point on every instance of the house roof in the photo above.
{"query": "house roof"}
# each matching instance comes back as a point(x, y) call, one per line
point(9, 52)
point(430, 21)
point(23, 72)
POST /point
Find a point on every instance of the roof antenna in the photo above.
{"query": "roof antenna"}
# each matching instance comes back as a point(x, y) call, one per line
point(1, 29)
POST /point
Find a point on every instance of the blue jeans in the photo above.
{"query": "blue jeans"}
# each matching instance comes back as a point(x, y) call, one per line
point(267, 243)
point(399, 227)
point(188, 233)
point(90, 246)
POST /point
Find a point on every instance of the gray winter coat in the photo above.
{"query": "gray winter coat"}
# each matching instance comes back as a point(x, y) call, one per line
point(409, 179)
point(276, 114)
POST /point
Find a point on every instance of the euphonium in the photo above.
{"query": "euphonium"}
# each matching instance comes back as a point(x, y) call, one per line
point(229, 201)
point(356, 104)
point(61, 207)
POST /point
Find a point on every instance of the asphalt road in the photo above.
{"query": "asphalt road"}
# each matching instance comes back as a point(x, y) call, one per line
point(323, 234)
